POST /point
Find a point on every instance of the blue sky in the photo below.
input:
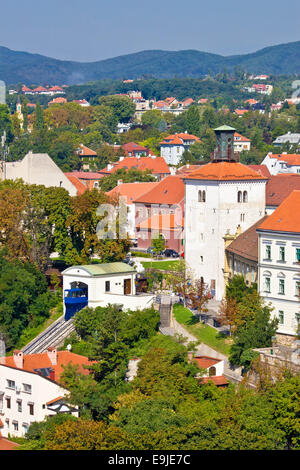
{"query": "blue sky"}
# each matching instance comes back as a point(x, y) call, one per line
point(88, 30)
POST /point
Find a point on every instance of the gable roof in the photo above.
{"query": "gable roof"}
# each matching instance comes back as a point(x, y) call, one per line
point(280, 186)
point(32, 362)
point(240, 138)
point(225, 171)
point(170, 190)
point(178, 139)
point(289, 158)
point(83, 150)
point(103, 269)
point(262, 169)
point(81, 188)
point(156, 165)
point(131, 191)
point(205, 361)
point(285, 218)
point(246, 244)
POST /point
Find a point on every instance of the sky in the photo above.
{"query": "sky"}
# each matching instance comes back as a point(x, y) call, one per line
point(90, 30)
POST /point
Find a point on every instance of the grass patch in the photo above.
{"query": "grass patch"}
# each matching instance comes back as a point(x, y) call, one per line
point(205, 333)
point(160, 265)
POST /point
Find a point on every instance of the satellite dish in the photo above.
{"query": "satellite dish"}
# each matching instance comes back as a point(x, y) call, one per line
point(69, 347)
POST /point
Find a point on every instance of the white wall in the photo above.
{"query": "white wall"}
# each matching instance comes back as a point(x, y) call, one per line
point(39, 168)
point(206, 223)
point(43, 391)
point(275, 270)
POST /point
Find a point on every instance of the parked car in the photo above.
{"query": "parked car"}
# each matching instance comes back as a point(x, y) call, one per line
point(170, 253)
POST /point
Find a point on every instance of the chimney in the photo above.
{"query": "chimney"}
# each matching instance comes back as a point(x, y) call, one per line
point(18, 358)
point(52, 354)
point(120, 182)
point(190, 355)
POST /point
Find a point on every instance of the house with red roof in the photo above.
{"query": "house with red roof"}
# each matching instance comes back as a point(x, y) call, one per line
point(282, 163)
point(173, 146)
point(161, 211)
point(241, 143)
point(88, 180)
point(212, 370)
point(58, 100)
point(156, 165)
point(131, 149)
point(128, 193)
point(278, 265)
point(86, 155)
point(30, 388)
point(279, 187)
point(240, 112)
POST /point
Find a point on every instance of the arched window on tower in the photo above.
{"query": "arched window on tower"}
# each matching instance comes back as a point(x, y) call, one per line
point(201, 196)
point(245, 196)
point(239, 196)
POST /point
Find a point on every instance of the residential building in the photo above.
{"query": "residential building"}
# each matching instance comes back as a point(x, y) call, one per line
point(30, 388)
point(98, 285)
point(129, 192)
point(240, 112)
point(262, 88)
point(173, 146)
point(282, 163)
point(161, 211)
point(86, 155)
point(59, 100)
point(278, 267)
point(290, 138)
point(37, 168)
point(214, 370)
point(241, 254)
point(88, 179)
point(219, 197)
point(131, 149)
point(261, 169)
point(156, 165)
point(123, 127)
point(83, 103)
point(241, 143)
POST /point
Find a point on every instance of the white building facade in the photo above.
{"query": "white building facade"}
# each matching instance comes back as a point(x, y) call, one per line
point(282, 163)
point(220, 197)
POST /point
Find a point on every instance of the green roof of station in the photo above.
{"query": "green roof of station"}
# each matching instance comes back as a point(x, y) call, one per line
point(104, 268)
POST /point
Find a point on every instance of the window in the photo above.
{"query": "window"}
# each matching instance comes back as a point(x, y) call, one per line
point(297, 317)
point(15, 425)
point(11, 384)
point(298, 254)
point(201, 259)
point(107, 286)
point(281, 317)
point(31, 408)
point(267, 284)
point(19, 403)
point(268, 252)
point(281, 286)
point(27, 388)
point(25, 427)
point(201, 196)
point(297, 288)
point(281, 253)
point(239, 196)
point(8, 402)
point(245, 196)
point(242, 217)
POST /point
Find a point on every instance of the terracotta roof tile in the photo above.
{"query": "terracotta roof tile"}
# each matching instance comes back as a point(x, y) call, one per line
point(246, 244)
point(262, 169)
point(225, 171)
point(289, 158)
point(5, 444)
point(170, 190)
point(280, 186)
point(131, 191)
point(205, 361)
point(218, 380)
point(81, 188)
point(286, 217)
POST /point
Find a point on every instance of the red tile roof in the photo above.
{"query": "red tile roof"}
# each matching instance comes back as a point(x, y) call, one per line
point(289, 158)
point(225, 171)
point(246, 244)
point(162, 222)
point(133, 147)
point(131, 191)
point(170, 190)
point(187, 169)
point(86, 175)
point(156, 165)
point(85, 151)
point(280, 186)
point(218, 380)
point(178, 139)
point(261, 169)
point(42, 360)
point(205, 361)
point(240, 112)
point(286, 217)
point(5, 444)
point(240, 138)
point(81, 188)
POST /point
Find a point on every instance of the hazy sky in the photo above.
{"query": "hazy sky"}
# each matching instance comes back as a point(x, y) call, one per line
point(88, 30)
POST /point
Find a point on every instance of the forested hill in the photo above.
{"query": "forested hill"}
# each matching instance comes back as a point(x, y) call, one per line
point(23, 67)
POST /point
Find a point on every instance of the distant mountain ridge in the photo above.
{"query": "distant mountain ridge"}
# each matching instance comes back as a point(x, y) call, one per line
point(27, 68)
